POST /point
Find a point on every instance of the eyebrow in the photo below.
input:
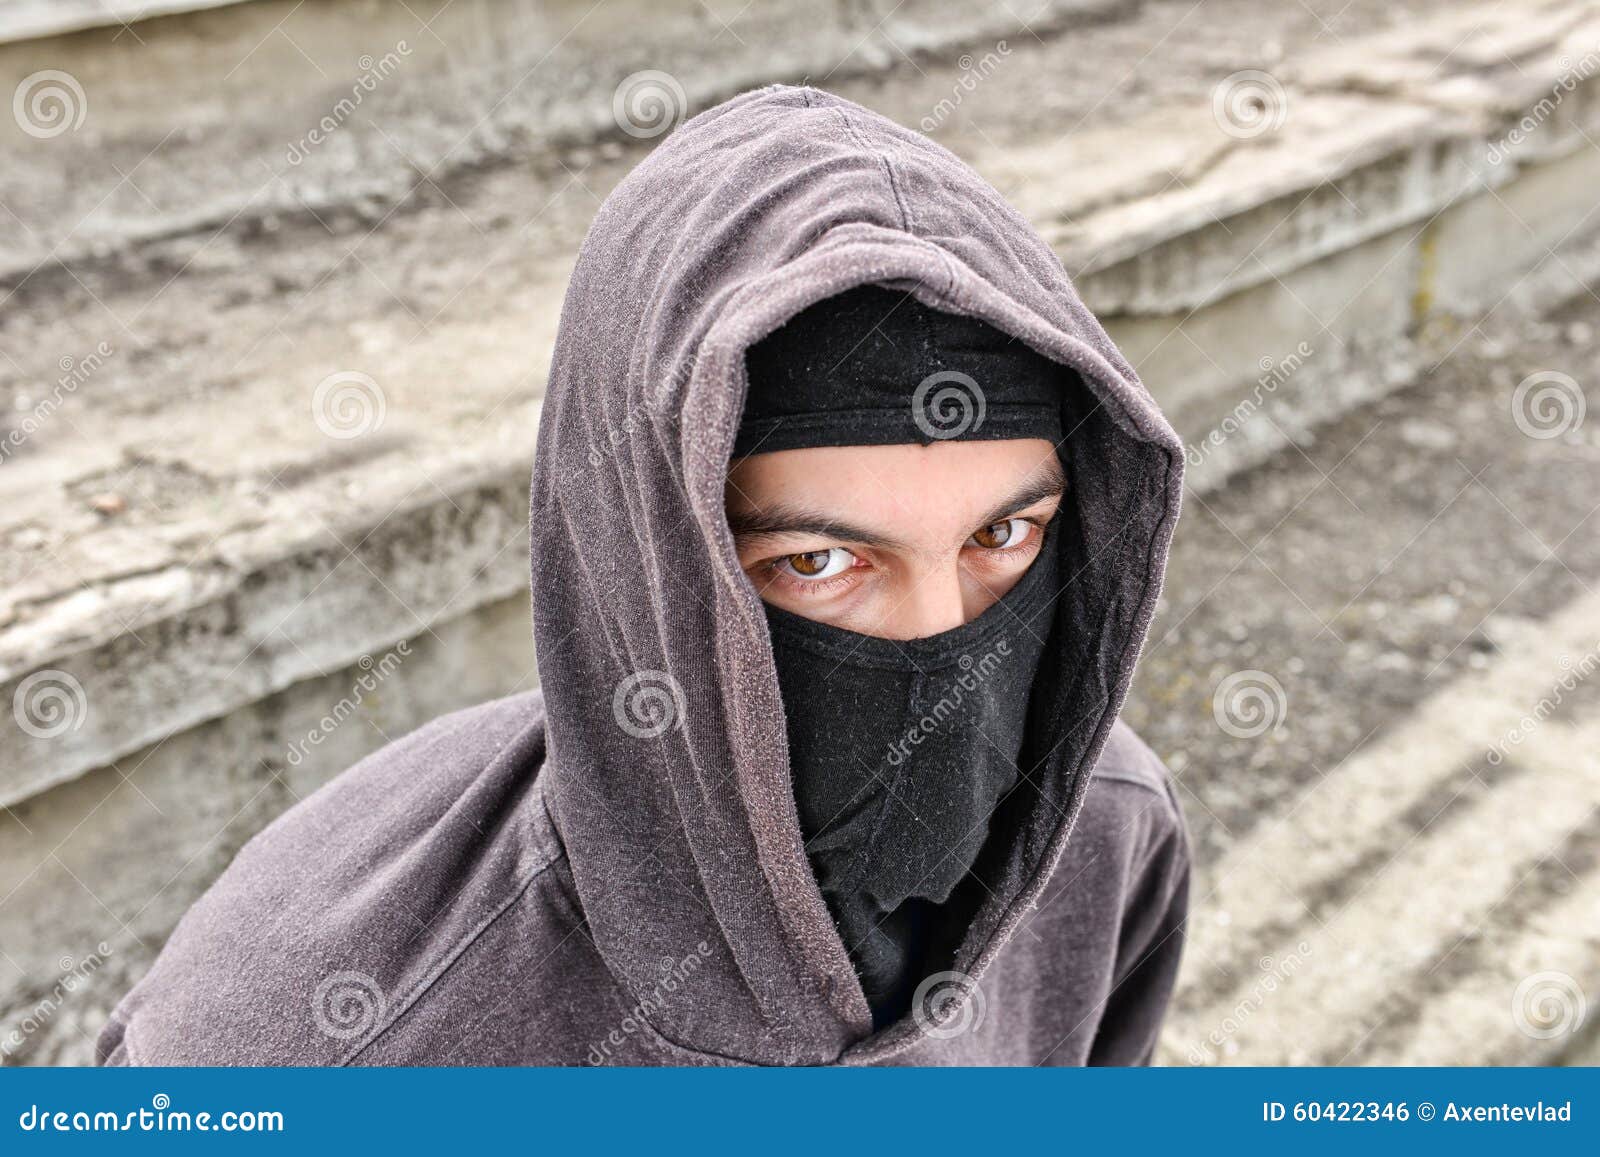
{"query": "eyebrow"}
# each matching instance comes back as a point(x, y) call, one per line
point(784, 518)
point(1049, 482)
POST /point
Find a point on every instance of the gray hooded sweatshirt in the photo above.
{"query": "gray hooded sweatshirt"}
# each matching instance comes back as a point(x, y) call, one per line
point(611, 870)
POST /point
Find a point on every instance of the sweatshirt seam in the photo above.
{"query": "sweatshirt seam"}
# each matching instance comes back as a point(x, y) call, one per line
point(1174, 875)
point(888, 172)
point(449, 960)
point(1131, 781)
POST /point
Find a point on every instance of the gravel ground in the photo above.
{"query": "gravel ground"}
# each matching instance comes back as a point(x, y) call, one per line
point(1367, 570)
point(1358, 578)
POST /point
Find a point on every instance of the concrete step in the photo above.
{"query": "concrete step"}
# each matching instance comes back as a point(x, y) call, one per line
point(1260, 891)
point(27, 20)
point(198, 560)
point(222, 523)
point(278, 108)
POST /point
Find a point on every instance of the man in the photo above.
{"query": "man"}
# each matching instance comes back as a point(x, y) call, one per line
point(848, 522)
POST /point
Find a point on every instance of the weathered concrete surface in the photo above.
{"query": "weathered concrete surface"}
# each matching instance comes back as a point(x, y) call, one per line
point(1409, 832)
point(278, 107)
point(190, 538)
point(117, 856)
point(139, 506)
point(25, 20)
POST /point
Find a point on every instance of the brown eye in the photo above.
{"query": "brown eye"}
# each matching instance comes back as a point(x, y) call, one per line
point(817, 564)
point(999, 534)
point(812, 564)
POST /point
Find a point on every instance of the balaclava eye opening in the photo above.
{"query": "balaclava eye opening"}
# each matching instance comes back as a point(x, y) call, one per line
point(901, 751)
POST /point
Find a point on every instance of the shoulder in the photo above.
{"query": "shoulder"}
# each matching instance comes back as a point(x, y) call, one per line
point(1126, 864)
point(430, 768)
point(1131, 802)
point(345, 909)
point(1128, 759)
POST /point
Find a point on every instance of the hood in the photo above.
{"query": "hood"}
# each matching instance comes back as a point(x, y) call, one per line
point(668, 775)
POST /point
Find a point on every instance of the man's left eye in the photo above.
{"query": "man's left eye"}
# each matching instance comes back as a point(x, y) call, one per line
point(1010, 532)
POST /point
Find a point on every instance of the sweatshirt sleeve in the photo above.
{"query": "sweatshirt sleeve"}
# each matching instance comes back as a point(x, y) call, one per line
point(1150, 945)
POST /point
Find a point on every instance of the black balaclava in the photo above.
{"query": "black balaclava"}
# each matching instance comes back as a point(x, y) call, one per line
point(901, 750)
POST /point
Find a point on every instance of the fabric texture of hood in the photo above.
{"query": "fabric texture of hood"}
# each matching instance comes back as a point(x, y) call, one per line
point(744, 217)
point(519, 882)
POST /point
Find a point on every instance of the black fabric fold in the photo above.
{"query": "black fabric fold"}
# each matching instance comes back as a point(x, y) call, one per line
point(875, 367)
point(900, 752)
